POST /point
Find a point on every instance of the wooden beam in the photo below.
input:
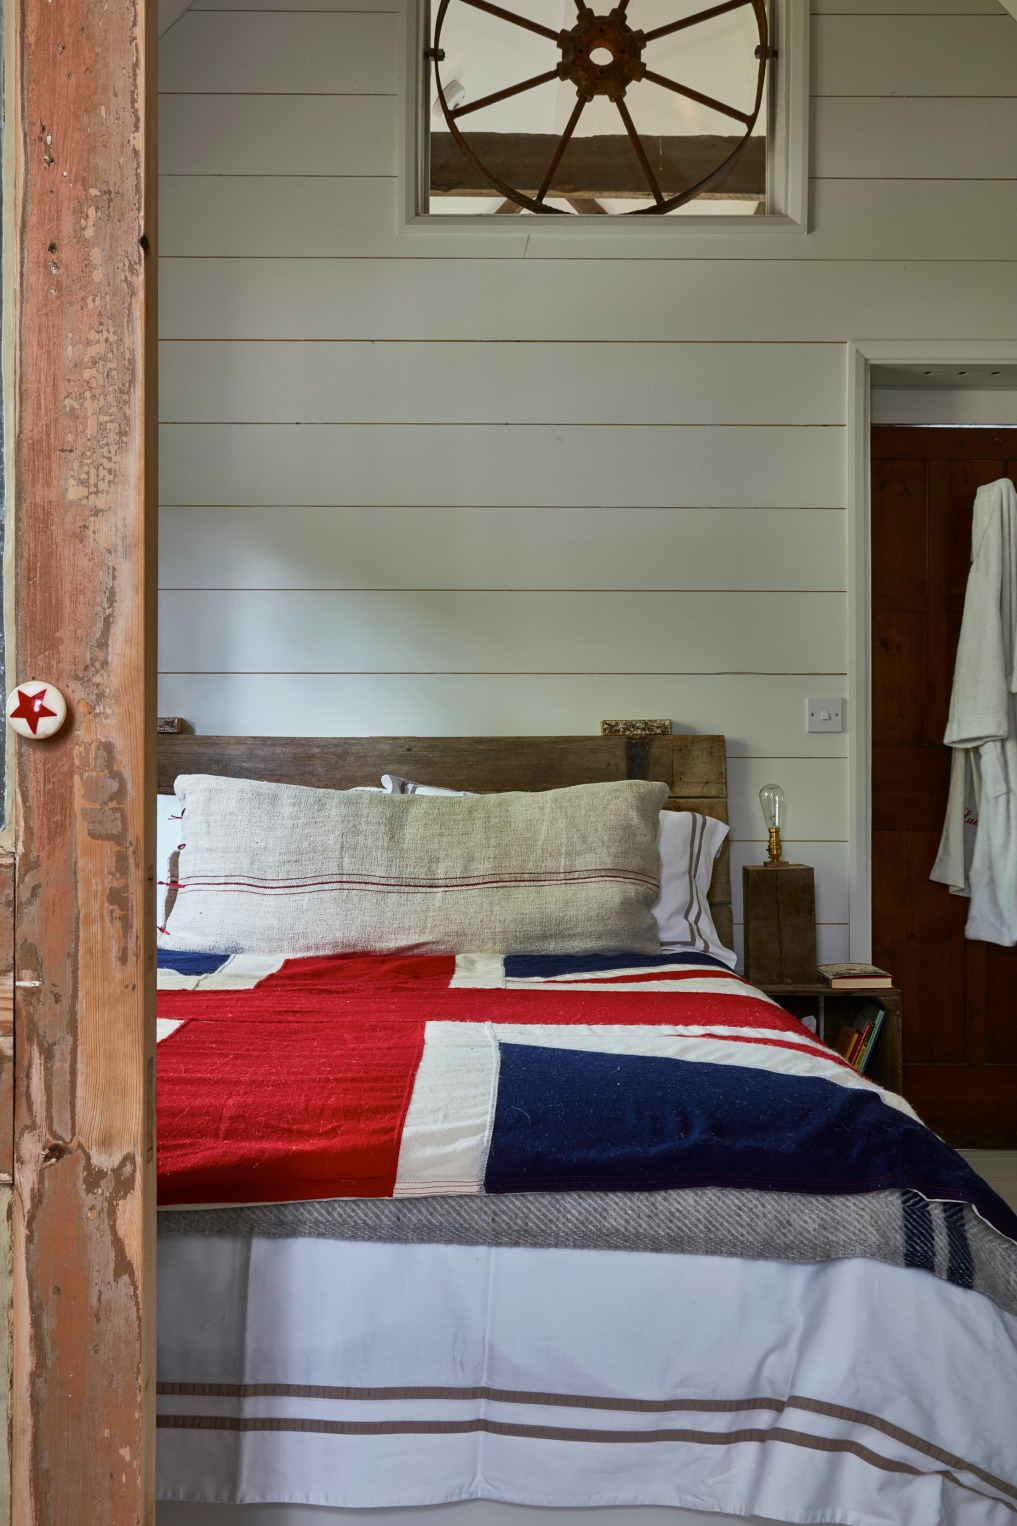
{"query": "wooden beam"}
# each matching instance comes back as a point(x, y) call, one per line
point(6, 1168)
point(598, 167)
point(6, 1024)
point(83, 460)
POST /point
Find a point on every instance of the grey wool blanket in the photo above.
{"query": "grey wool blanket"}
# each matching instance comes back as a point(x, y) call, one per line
point(901, 1228)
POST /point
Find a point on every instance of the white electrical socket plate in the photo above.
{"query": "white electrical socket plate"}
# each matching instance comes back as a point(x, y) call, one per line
point(825, 715)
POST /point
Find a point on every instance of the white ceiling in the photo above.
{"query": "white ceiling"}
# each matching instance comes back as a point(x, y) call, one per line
point(957, 377)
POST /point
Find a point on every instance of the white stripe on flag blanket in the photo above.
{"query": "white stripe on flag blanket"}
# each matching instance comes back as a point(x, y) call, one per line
point(487, 971)
point(478, 970)
point(447, 1130)
point(444, 1146)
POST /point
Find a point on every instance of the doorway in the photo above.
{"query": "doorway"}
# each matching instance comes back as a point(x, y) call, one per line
point(960, 1041)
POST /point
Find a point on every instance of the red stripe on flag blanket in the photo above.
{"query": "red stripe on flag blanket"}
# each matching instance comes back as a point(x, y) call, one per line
point(642, 977)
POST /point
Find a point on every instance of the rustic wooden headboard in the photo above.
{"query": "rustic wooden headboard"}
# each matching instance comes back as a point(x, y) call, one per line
point(692, 767)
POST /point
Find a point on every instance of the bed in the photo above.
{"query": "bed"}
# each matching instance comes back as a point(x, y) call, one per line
point(765, 1292)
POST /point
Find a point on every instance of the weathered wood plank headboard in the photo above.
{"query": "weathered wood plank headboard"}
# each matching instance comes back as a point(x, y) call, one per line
point(693, 768)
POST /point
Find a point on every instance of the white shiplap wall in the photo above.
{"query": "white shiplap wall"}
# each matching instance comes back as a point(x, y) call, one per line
point(466, 481)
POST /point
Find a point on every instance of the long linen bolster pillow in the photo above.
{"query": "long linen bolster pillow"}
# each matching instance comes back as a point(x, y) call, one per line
point(265, 868)
point(688, 845)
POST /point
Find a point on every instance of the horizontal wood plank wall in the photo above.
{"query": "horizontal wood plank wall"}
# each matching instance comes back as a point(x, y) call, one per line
point(450, 483)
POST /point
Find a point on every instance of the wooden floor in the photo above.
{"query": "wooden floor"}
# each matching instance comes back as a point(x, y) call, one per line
point(999, 1167)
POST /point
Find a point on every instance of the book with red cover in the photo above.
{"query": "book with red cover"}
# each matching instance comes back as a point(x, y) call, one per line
point(875, 1016)
point(858, 1049)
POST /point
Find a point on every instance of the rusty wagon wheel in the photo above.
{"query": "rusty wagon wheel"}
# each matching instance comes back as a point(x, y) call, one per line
point(627, 68)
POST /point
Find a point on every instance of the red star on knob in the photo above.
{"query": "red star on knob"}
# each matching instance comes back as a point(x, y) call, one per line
point(31, 708)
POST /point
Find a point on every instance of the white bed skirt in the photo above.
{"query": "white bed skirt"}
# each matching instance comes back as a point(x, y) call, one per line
point(375, 1377)
point(466, 1513)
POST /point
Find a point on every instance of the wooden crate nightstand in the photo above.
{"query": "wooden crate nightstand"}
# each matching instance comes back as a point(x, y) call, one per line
point(831, 1008)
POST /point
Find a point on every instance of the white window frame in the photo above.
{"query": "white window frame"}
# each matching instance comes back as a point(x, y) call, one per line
point(787, 158)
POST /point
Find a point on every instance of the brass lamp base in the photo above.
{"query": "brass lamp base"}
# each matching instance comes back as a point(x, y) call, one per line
point(774, 849)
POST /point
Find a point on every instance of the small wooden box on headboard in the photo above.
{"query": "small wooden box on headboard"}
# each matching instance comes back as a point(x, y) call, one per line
point(780, 924)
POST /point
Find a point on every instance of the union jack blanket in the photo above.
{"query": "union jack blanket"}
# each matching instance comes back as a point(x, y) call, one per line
point(287, 1080)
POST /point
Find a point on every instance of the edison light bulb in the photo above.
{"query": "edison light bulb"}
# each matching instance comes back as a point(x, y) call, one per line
point(771, 798)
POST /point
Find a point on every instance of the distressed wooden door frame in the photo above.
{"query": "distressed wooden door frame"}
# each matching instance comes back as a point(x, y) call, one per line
point(80, 95)
point(862, 355)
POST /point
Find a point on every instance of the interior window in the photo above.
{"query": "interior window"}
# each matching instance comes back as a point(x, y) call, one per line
point(656, 106)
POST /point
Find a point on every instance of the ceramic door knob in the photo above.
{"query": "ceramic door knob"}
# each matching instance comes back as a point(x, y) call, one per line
point(36, 709)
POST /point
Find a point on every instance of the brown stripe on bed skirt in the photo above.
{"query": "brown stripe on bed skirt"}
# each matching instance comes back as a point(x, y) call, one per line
point(549, 1433)
point(898, 1433)
point(535, 1432)
point(563, 1401)
point(495, 1395)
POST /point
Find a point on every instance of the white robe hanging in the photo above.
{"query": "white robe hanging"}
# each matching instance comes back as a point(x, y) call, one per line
point(978, 852)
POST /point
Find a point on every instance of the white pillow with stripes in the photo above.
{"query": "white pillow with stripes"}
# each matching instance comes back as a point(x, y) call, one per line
point(688, 845)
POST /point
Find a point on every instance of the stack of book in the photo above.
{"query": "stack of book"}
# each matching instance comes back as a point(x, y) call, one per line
point(857, 1037)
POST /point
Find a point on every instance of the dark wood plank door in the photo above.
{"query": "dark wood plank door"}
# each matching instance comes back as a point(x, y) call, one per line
point(960, 996)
